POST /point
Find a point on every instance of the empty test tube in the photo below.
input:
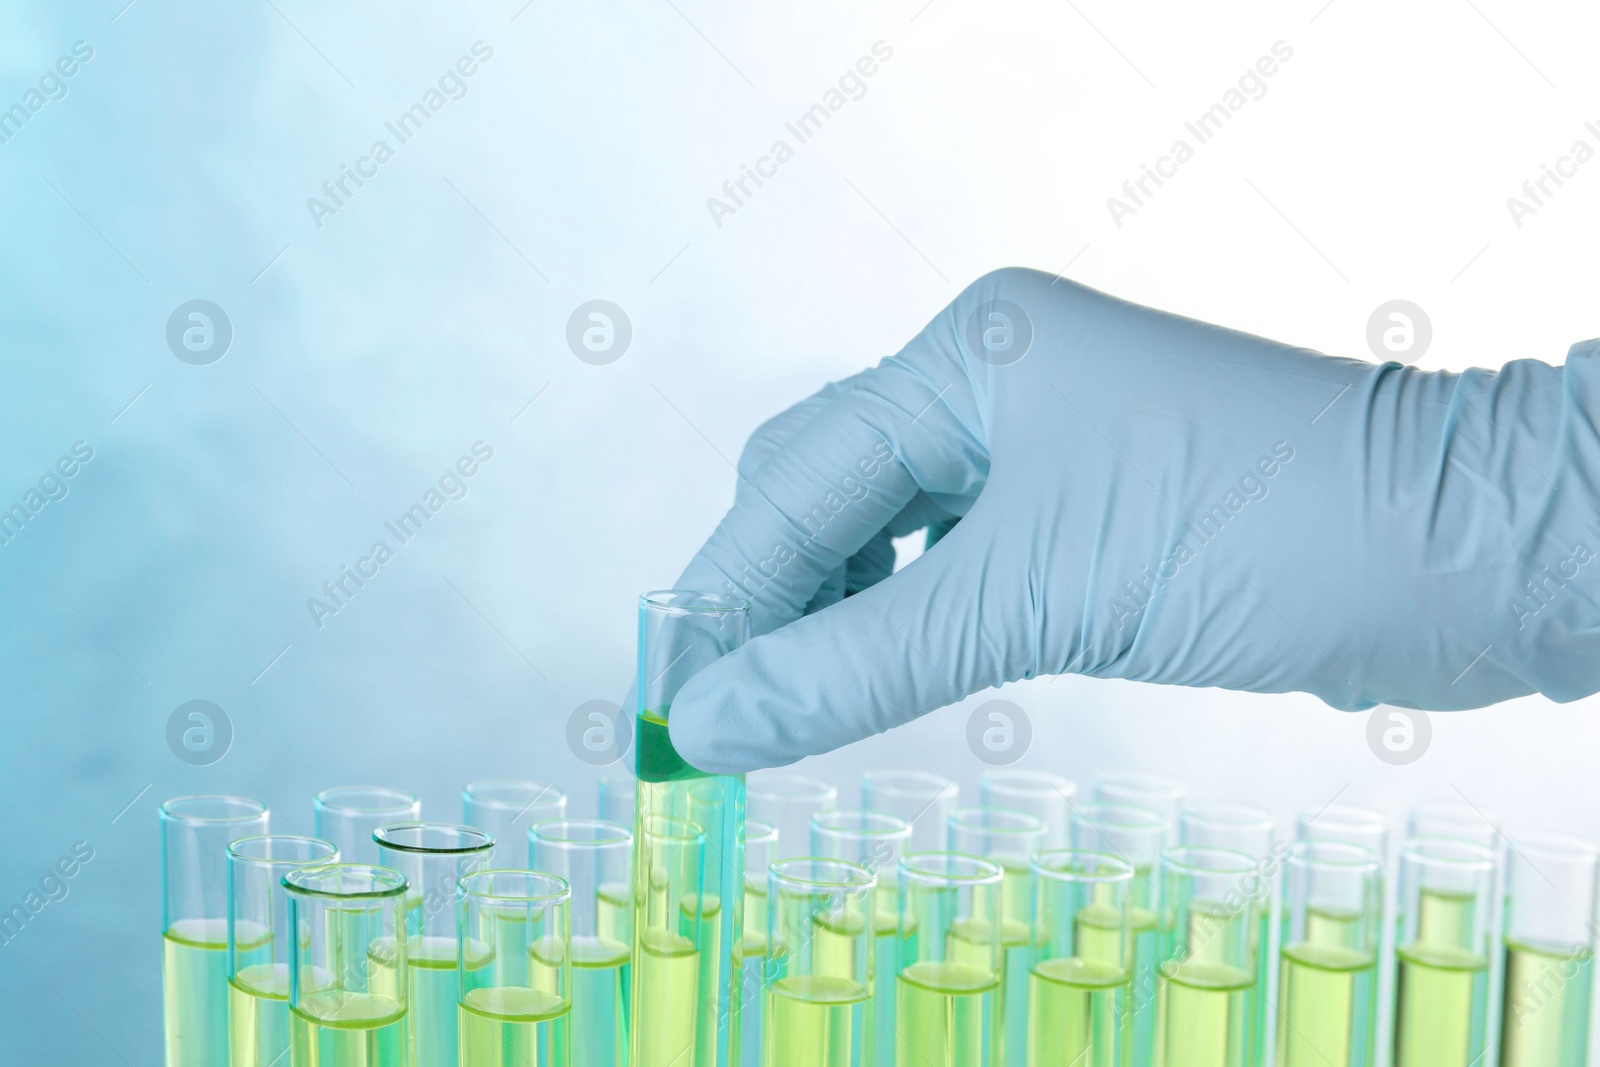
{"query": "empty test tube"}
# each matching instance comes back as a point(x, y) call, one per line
point(516, 1004)
point(347, 815)
point(1079, 989)
point(922, 799)
point(1549, 952)
point(434, 857)
point(1045, 796)
point(949, 962)
point(258, 943)
point(195, 834)
point(819, 964)
point(595, 858)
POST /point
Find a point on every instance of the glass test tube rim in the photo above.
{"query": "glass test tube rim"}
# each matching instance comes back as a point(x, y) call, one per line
point(916, 867)
point(893, 826)
point(1170, 787)
point(1435, 852)
point(616, 834)
point(332, 799)
point(383, 835)
point(1009, 781)
point(673, 829)
point(393, 883)
point(1459, 813)
point(764, 832)
point(1228, 814)
point(1021, 823)
point(1312, 854)
point(692, 602)
point(860, 878)
point(1188, 860)
point(893, 781)
point(544, 793)
point(557, 888)
point(244, 809)
point(811, 787)
point(236, 853)
point(1121, 816)
point(1118, 869)
point(1342, 817)
point(1555, 844)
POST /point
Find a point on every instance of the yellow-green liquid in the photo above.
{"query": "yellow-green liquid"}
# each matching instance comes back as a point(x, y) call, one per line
point(432, 994)
point(194, 992)
point(1442, 993)
point(1078, 1013)
point(1017, 960)
point(600, 1002)
point(1546, 1021)
point(340, 1029)
point(881, 1009)
point(1201, 1015)
point(667, 970)
point(753, 1007)
point(514, 1026)
point(1146, 982)
point(258, 1016)
point(816, 1021)
point(1327, 1000)
point(947, 1016)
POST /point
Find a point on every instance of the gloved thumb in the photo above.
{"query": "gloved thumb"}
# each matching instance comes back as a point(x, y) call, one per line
point(922, 638)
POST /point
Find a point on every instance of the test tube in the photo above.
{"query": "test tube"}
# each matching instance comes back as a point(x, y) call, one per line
point(595, 858)
point(1347, 823)
point(760, 845)
point(1010, 839)
point(669, 935)
point(1137, 836)
point(516, 1004)
point(1079, 991)
point(1549, 952)
point(786, 802)
point(1442, 944)
point(347, 965)
point(818, 967)
point(948, 971)
point(507, 807)
point(347, 815)
point(922, 799)
point(434, 857)
point(258, 943)
point(1206, 970)
point(616, 794)
point(195, 834)
point(1045, 796)
point(680, 632)
point(877, 842)
point(1151, 790)
point(1328, 959)
point(1247, 829)
point(1460, 821)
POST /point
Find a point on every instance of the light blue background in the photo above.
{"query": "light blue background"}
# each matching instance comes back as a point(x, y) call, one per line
point(370, 353)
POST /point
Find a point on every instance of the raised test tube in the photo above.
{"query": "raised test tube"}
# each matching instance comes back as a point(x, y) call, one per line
point(434, 857)
point(1011, 839)
point(1078, 994)
point(1442, 945)
point(1328, 961)
point(347, 815)
point(516, 1006)
point(786, 801)
point(1249, 830)
point(1045, 796)
point(1206, 971)
point(819, 964)
point(596, 859)
point(1151, 790)
point(1549, 952)
point(195, 834)
point(258, 943)
point(347, 966)
point(760, 844)
point(670, 932)
point(1136, 835)
point(616, 796)
point(680, 632)
point(949, 962)
point(877, 842)
point(506, 807)
point(922, 799)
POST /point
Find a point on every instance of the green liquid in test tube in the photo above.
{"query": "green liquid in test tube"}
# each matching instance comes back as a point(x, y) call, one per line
point(1206, 970)
point(515, 1006)
point(760, 847)
point(681, 632)
point(195, 834)
point(1328, 960)
point(1249, 830)
point(877, 842)
point(1549, 952)
point(1442, 945)
point(1138, 836)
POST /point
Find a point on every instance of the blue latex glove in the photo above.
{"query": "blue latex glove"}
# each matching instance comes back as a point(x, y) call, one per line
point(1145, 496)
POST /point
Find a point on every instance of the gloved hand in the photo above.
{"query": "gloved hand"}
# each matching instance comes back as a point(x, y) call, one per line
point(1145, 496)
